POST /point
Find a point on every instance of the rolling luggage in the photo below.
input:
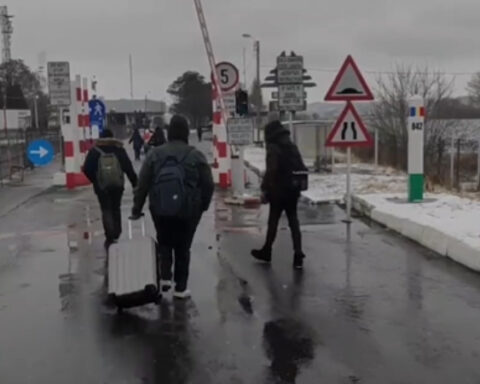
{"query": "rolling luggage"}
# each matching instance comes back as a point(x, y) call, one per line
point(133, 271)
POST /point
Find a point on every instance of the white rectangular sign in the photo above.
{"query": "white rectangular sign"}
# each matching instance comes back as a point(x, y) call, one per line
point(230, 102)
point(59, 83)
point(240, 131)
point(291, 96)
point(290, 69)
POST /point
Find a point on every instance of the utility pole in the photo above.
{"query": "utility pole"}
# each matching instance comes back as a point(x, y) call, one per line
point(131, 76)
point(259, 90)
point(7, 31)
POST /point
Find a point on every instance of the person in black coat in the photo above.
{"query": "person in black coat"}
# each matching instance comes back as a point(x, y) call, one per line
point(110, 200)
point(137, 141)
point(282, 156)
point(158, 138)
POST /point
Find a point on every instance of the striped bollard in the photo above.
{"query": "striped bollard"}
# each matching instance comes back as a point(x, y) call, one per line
point(416, 127)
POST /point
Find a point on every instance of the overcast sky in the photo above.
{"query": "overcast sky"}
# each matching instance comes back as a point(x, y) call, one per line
point(165, 40)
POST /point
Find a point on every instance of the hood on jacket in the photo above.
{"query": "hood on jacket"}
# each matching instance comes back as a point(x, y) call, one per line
point(275, 131)
point(109, 142)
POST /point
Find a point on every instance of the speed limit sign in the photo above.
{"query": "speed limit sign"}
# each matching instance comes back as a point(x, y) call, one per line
point(228, 76)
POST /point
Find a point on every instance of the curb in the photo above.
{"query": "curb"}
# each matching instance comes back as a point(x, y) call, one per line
point(431, 238)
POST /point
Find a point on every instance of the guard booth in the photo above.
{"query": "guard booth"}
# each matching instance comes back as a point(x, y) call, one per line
point(311, 136)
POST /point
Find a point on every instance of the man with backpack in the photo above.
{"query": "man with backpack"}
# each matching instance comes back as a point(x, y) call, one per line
point(105, 166)
point(285, 177)
point(180, 186)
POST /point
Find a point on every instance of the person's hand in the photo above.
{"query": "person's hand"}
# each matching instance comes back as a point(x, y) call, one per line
point(136, 216)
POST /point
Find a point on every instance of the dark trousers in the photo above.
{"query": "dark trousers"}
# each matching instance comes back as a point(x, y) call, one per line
point(110, 204)
point(175, 239)
point(277, 206)
point(137, 151)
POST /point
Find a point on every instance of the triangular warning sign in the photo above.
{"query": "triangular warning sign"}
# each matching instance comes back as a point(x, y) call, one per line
point(349, 131)
point(349, 85)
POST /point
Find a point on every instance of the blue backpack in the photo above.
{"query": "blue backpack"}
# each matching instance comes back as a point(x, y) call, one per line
point(169, 194)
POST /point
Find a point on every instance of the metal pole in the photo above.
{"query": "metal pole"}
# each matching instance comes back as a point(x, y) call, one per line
point(245, 67)
point(9, 159)
point(131, 76)
point(376, 148)
point(35, 106)
point(478, 164)
point(259, 104)
point(290, 126)
point(349, 192)
point(452, 160)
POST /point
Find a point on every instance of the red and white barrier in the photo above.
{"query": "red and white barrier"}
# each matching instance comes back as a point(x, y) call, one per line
point(221, 150)
point(76, 136)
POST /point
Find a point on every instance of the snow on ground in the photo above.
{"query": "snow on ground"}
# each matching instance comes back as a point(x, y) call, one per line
point(447, 224)
point(332, 187)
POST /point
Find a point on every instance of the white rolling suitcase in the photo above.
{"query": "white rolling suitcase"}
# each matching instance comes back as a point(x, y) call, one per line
point(133, 271)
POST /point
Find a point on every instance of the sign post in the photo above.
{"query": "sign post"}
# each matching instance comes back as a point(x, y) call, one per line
point(240, 134)
point(349, 130)
point(416, 127)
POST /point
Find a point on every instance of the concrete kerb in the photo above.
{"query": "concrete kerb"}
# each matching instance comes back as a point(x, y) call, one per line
point(440, 242)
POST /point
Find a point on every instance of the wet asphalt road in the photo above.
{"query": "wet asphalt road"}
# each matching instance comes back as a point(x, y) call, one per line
point(370, 307)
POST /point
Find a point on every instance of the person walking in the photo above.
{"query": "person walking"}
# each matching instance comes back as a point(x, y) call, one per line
point(158, 138)
point(281, 189)
point(105, 166)
point(137, 141)
point(179, 182)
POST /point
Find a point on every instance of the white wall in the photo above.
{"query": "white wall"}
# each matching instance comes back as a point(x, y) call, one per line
point(16, 119)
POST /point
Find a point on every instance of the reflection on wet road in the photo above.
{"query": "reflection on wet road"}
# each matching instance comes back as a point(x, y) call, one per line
point(370, 307)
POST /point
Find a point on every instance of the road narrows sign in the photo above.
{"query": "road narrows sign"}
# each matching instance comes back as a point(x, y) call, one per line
point(349, 85)
point(349, 130)
point(228, 76)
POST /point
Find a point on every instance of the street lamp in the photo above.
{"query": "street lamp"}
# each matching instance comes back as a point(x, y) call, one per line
point(35, 110)
point(256, 44)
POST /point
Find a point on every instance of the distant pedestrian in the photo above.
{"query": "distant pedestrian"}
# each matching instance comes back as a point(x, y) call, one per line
point(199, 133)
point(281, 188)
point(137, 141)
point(158, 138)
point(180, 186)
point(105, 166)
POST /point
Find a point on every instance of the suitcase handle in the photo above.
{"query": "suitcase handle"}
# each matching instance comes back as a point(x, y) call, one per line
point(130, 231)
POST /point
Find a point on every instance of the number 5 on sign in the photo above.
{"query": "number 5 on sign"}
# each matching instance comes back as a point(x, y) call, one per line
point(228, 76)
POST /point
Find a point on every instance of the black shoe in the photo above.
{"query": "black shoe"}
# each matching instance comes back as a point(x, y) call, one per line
point(298, 260)
point(263, 254)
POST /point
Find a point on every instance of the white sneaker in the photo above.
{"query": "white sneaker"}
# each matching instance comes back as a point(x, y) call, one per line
point(165, 285)
point(183, 295)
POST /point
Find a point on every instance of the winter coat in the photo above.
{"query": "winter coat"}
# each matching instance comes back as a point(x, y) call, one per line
point(282, 157)
point(158, 138)
point(136, 139)
point(90, 166)
point(197, 171)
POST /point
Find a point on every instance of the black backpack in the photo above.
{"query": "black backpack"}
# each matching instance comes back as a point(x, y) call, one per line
point(169, 195)
point(293, 168)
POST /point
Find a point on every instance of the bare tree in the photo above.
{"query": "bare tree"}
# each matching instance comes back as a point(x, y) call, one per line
point(473, 89)
point(390, 112)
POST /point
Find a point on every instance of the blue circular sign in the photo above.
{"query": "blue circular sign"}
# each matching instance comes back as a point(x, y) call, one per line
point(40, 152)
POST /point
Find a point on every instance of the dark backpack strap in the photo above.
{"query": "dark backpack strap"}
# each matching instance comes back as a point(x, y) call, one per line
point(190, 150)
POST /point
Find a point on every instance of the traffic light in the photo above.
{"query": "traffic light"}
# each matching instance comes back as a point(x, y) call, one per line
point(241, 102)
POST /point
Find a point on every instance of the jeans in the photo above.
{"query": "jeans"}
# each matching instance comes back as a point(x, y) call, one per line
point(277, 206)
point(175, 239)
point(110, 204)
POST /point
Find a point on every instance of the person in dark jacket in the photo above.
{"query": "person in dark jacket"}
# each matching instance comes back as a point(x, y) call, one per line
point(158, 138)
point(111, 199)
point(137, 141)
point(175, 234)
point(276, 190)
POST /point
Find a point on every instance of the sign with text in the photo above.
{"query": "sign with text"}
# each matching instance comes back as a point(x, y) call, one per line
point(291, 97)
point(240, 131)
point(290, 69)
point(59, 83)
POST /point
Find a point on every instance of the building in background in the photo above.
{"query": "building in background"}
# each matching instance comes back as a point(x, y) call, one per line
point(18, 114)
point(129, 113)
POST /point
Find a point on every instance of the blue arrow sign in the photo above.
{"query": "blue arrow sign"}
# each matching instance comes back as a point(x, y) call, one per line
point(40, 152)
point(98, 112)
